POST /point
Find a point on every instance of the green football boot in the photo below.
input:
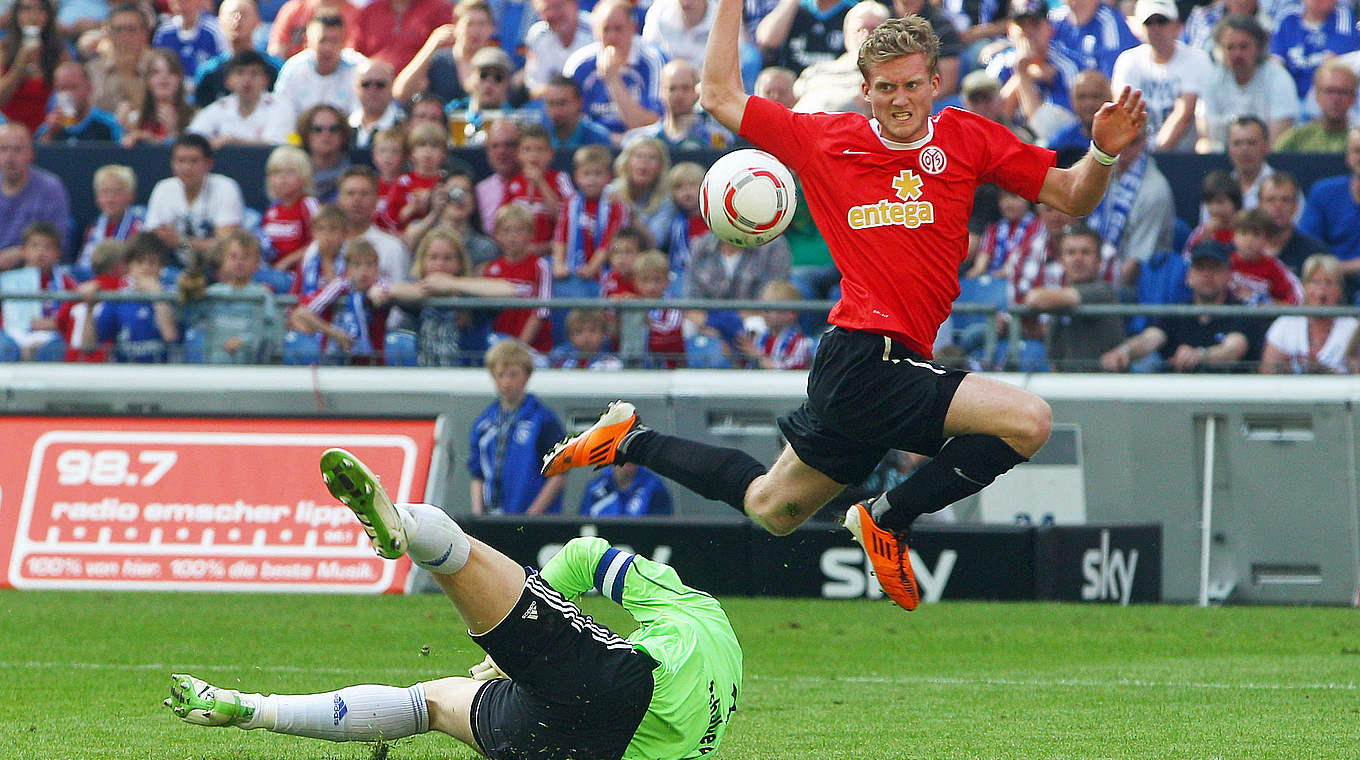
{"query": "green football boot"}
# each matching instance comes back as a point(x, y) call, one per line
point(199, 702)
point(350, 481)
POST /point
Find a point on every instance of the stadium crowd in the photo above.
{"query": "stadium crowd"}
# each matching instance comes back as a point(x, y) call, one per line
point(585, 113)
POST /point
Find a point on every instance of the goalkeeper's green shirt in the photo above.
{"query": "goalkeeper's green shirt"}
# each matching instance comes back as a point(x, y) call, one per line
point(698, 679)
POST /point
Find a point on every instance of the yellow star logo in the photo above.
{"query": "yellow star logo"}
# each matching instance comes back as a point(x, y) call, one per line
point(907, 185)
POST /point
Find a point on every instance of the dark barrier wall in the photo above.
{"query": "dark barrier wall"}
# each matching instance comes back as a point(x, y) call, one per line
point(1112, 564)
point(76, 165)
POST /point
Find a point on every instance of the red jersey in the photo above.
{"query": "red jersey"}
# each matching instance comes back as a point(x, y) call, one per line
point(382, 33)
point(895, 215)
point(1264, 280)
point(398, 193)
point(520, 190)
point(71, 322)
point(615, 284)
point(533, 275)
point(666, 337)
point(289, 227)
point(380, 212)
point(789, 348)
point(586, 225)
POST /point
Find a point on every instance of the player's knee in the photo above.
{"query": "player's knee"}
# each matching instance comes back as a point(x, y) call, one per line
point(778, 521)
point(1036, 420)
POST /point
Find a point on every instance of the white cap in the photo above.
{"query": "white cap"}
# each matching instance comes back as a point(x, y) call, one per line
point(1146, 9)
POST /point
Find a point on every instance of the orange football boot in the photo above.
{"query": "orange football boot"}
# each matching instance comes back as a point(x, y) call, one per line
point(889, 555)
point(596, 446)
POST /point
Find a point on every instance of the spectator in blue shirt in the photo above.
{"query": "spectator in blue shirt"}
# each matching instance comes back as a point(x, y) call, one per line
point(626, 490)
point(619, 73)
point(1309, 34)
point(141, 331)
point(568, 127)
point(1092, 32)
point(1332, 214)
point(71, 117)
point(192, 33)
point(508, 440)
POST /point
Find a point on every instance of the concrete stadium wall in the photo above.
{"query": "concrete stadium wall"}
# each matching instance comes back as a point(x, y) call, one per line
point(1126, 449)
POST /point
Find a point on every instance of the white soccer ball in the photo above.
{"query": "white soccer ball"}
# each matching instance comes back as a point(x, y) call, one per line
point(747, 197)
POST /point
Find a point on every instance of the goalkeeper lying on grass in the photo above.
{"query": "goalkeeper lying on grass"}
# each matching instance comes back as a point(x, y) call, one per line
point(555, 683)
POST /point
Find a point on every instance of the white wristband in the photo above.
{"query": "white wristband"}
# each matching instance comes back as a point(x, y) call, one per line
point(1101, 156)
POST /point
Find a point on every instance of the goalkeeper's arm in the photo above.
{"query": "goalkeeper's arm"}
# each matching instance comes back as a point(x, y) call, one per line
point(644, 587)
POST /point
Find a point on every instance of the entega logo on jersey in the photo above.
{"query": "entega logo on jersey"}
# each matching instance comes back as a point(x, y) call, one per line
point(907, 211)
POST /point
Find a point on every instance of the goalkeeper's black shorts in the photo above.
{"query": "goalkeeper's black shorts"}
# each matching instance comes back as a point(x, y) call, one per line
point(576, 689)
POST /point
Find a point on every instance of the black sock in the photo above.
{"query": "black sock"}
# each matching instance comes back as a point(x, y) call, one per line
point(965, 465)
point(713, 472)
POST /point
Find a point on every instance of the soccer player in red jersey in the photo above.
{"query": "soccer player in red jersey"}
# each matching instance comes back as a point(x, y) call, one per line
point(891, 195)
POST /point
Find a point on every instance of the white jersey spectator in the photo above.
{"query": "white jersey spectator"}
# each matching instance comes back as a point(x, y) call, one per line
point(1170, 74)
point(219, 204)
point(680, 28)
point(269, 123)
point(1246, 82)
point(303, 85)
point(548, 45)
point(394, 260)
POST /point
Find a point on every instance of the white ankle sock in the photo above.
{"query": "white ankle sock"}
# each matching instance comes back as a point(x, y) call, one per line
point(433, 540)
point(364, 713)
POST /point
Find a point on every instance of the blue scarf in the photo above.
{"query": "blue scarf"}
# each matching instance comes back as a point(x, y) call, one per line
point(577, 255)
point(363, 344)
point(311, 272)
point(1112, 214)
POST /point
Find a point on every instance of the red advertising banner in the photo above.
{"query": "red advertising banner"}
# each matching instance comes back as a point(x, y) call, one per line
point(196, 504)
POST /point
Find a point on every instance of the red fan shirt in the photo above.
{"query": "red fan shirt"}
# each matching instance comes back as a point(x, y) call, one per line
point(533, 275)
point(520, 190)
point(289, 227)
point(397, 196)
point(1264, 280)
point(895, 215)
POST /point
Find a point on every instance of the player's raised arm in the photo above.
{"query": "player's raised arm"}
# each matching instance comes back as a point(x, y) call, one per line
point(1078, 190)
point(720, 90)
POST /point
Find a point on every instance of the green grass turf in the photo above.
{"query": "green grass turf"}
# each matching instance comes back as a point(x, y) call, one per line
point(82, 676)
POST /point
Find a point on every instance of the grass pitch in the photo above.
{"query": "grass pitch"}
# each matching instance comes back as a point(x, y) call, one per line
point(82, 676)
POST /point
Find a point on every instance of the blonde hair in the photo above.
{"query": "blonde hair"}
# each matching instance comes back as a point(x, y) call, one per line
point(898, 37)
point(118, 173)
point(632, 195)
point(445, 234)
point(1325, 263)
point(107, 254)
point(359, 248)
point(651, 262)
point(591, 155)
point(425, 133)
point(512, 213)
point(687, 171)
point(780, 290)
point(290, 157)
point(510, 353)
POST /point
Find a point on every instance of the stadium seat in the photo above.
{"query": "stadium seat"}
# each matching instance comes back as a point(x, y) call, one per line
point(301, 348)
point(9, 350)
point(399, 349)
point(705, 352)
point(52, 351)
point(971, 331)
point(195, 347)
point(1032, 356)
point(279, 282)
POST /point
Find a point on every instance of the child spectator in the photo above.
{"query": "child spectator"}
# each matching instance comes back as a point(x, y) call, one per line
point(351, 324)
point(115, 188)
point(108, 262)
point(686, 224)
point(587, 332)
point(665, 336)
point(321, 260)
point(626, 490)
point(782, 345)
point(538, 188)
point(624, 248)
point(447, 336)
point(236, 332)
point(141, 331)
point(34, 323)
point(586, 225)
point(409, 196)
point(389, 158)
point(453, 206)
point(1258, 278)
point(1005, 241)
point(514, 231)
point(1222, 197)
point(287, 223)
point(508, 440)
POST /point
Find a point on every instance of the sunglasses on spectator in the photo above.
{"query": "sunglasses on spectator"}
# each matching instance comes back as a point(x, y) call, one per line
point(495, 75)
point(369, 84)
point(320, 128)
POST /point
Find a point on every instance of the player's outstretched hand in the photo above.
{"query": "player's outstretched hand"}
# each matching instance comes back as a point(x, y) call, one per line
point(1118, 124)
